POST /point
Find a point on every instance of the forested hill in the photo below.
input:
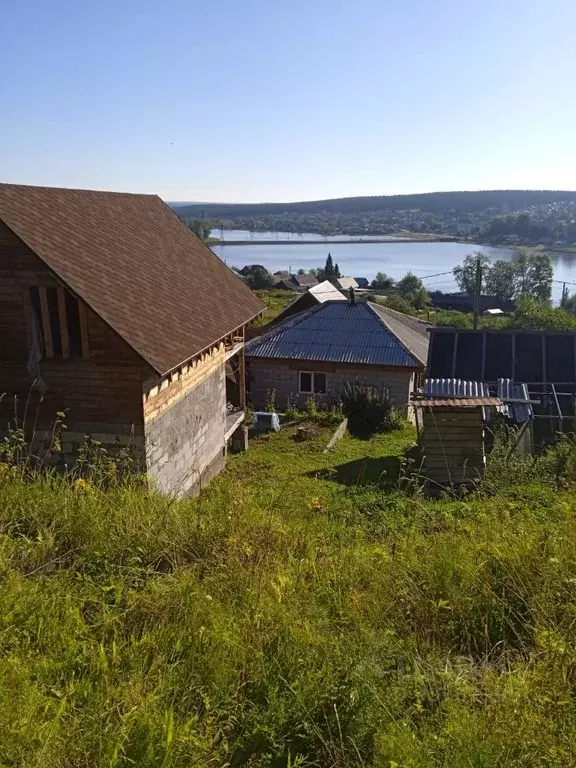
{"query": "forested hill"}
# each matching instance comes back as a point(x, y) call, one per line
point(431, 202)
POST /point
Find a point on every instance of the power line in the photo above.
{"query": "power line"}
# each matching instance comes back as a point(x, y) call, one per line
point(438, 274)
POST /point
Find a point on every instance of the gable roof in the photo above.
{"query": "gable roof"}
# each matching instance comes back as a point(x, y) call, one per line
point(413, 333)
point(317, 294)
point(325, 291)
point(131, 259)
point(306, 279)
point(336, 332)
point(346, 282)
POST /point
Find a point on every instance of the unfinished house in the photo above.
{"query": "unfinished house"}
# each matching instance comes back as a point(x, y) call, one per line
point(113, 312)
point(317, 352)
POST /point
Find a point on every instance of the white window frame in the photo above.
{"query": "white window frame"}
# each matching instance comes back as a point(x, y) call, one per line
point(312, 374)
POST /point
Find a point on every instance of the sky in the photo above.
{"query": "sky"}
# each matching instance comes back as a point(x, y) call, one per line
point(268, 100)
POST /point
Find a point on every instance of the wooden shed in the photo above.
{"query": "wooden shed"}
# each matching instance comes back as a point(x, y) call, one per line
point(452, 439)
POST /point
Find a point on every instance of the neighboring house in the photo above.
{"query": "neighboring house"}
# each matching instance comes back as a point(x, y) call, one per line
point(317, 294)
point(345, 283)
point(281, 277)
point(113, 312)
point(304, 281)
point(249, 268)
point(362, 282)
point(316, 352)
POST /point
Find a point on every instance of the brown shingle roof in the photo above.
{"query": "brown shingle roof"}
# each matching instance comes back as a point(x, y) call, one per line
point(136, 264)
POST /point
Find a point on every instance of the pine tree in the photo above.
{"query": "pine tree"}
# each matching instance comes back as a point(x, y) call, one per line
point(329, 268)
point(337, 271)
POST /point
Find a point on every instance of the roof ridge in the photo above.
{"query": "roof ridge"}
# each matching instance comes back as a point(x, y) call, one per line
point(6, 185)
point(398, 339)
point(400, 315)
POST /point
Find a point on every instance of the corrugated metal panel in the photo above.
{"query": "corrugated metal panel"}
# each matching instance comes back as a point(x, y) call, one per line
point(333, 332)
point(325, 291)
point(455, 388)
point(508, 390)
point(505, 390)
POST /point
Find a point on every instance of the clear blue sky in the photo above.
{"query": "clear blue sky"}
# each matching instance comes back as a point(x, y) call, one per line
point(251, 100)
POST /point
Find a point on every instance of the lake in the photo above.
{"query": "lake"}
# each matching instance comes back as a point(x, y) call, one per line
point(365, 259)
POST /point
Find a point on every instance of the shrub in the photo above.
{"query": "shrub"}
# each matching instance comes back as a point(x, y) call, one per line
point(368, 410)
point(271, 401)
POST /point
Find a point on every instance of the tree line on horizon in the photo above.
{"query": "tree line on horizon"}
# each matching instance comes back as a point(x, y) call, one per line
point(431, 202)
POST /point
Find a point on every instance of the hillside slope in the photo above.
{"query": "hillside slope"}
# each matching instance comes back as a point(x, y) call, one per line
point(304, 612)
point(432, 202)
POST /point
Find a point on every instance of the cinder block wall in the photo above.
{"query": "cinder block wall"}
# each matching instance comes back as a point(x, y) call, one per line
point(282, 376)
point(184, 426)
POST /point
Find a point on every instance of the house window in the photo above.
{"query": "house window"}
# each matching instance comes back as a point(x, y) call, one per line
point(311, 383)
point(59, 322)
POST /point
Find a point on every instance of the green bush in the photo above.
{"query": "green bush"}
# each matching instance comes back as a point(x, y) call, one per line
point(368, 409)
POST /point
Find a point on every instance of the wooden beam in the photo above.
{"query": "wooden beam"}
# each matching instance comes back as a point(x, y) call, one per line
point(242, 378)
point(84, 329)
point(46, 329)
point(63, 322)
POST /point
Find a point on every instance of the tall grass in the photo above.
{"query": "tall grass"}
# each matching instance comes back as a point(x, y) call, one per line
point(258, 626)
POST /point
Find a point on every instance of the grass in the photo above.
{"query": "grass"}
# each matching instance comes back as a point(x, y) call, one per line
point(276, 301)
point(302, 612)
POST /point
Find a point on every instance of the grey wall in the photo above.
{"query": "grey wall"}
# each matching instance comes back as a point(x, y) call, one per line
point(185, 441)
point(266, 375)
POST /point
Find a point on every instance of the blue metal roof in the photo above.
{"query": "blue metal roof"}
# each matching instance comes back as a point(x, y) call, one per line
point(335, 332)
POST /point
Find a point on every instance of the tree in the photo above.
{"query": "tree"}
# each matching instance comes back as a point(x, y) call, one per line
point(409, 285)
point(301, 271)
point(201, 227)
point(500, 280)
point(337, 271)
point(465, 273)
point(329, 268)
point(400, 304)
point(412, 289)
point(540, 276)
point(258, 278)
point(534, 315)
point(569, 303)
point(383, 282)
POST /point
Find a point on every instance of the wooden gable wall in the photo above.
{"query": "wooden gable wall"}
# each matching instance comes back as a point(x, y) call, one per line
point(102, 393)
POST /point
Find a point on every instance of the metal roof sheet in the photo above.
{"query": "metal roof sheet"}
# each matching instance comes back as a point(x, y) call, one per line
point(325, 291)
point(505, 390)
point(335, 331)
point(455, 388)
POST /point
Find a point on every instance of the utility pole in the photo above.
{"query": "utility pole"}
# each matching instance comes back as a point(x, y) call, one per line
point(477, 291)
